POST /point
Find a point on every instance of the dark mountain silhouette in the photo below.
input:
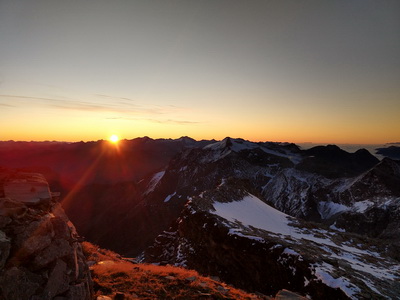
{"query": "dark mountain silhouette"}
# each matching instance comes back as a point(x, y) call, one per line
point(392, 152)
point(333, 162)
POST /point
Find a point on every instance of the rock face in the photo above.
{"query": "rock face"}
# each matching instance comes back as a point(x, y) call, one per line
point(40, 253)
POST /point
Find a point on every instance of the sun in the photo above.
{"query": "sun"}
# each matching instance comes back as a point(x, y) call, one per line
point(114, 139)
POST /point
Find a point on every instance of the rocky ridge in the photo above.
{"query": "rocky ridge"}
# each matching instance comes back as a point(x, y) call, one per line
point(115, 277)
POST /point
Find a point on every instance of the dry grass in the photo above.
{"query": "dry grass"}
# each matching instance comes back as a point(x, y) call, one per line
point(112, 275)
point(95, 253)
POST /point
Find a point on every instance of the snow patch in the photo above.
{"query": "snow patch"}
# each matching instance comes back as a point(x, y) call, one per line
point(234, 231)
point(251, 211)
point(154, 181)
point(239, 145)
point(290, 252)
point(169, 197)
point(333, 226)
point(327, 209)
point(362, 206)
point(322, 273)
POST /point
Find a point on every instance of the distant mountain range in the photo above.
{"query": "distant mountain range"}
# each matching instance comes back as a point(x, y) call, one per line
point(322, 222)
point(392, 152)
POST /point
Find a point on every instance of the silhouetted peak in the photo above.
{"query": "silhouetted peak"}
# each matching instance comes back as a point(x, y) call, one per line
point(325, 150)
point(227, 142)
point(186, 138)
point(364, 155)
point(144, 139)
point(362, 151)
point(333, 148)
point(389, 166)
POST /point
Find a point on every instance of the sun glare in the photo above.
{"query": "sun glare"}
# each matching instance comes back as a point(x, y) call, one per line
point(114, 139)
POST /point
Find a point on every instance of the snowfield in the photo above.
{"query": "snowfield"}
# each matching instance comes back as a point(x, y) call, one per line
point(154, 181)
point(251, 211)
point(364, 265)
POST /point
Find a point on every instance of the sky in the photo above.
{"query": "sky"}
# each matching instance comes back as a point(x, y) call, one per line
point(295, 71)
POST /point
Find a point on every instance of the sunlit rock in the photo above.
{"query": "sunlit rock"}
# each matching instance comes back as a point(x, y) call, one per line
point(27, 188)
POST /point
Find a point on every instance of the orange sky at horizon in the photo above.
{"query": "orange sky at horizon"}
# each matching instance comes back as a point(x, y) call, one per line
point(41, 119)
point(85, 129)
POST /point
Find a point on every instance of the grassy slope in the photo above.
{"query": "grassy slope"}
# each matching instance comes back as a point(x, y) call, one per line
point(112, 274)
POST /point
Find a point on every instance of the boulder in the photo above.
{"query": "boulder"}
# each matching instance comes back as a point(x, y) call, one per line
point(33, 237)
point(61, 229)
point(57, 249)
point(58, 280)
point(19, 283)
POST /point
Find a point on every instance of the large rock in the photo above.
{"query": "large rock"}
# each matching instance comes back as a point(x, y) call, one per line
point(27, 187)
point(33, 237)
point(19, 283)
point(58, 280)
point(57, 249)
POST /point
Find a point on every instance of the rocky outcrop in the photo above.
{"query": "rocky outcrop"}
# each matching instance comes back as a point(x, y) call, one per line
point(40, 252)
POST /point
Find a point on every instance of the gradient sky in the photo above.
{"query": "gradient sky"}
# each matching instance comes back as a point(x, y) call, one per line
point(297, 71)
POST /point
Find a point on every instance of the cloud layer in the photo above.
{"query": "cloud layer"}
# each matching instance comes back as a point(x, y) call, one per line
point(122, 108)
